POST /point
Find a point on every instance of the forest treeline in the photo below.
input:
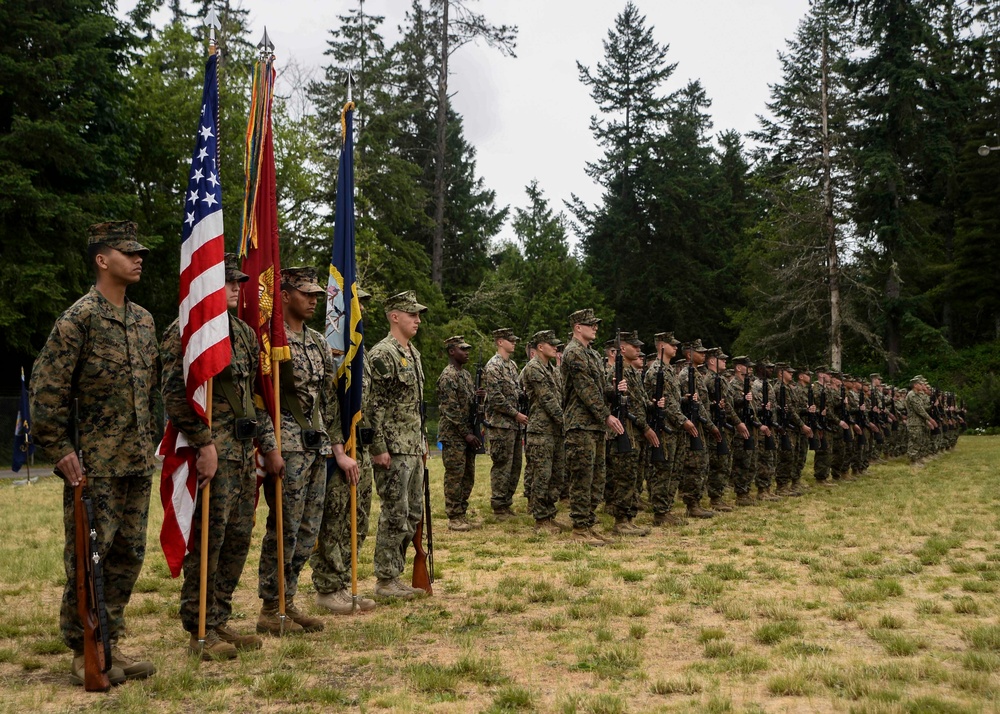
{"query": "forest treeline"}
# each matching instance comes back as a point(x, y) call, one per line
point(858, 226)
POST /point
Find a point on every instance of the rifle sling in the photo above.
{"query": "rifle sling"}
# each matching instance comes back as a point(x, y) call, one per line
point(225, 381)
point(291, 403)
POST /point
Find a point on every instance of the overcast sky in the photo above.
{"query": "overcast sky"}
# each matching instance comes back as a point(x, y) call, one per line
point(528, 117)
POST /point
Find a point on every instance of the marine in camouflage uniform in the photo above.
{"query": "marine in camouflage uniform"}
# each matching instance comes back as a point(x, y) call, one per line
point(545, 449)
point(767, 459)
point(102, 352)
point(504, 421)
point(310, 434)
point(720, 465)
point(663, 475)
point(586, 415)
point(399, 445)
point(692, 464)
point(919, 421)
point(331, 560)
point(842, 436)
point(825, 399)
point(234, 484)
point(620, 490)
point(744, 450)
point(456, 394)
point(787, 472)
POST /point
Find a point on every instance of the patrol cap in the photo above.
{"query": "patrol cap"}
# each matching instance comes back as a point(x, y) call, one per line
point(233, 271)
point(667, 337)
point(584, 317)
point(505, 333)
point(632, 338)
point(120, 235)
point(545, 336)
point(742, 359)
point(695, 346)
point(822, 369)
point(405, 301)
point(608, 344)
point(783, 366)
point(874, 375)
point(718, 353)
point(301, 278)
point(920, 379)
point(456, 341)
point(362, 293)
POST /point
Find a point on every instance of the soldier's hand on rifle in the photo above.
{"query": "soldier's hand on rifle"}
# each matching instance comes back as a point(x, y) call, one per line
point(843, 424)
point(807, 431)
point(71, 469)
point(748, 397)
point(521, 419)
point(933, 424)
point(690, 428)
point(383, 460)
point(742, 430)
point(615, 425)
point(652, 438)
point(472, 441)
point(346, 464)
point(481, 393)
point(661, 402)
point(765, 430)
point(623, 385)
point(274, 464)
point(812, 408)
point(694, 396)
point(716, 434)
point(206, 464)
point(857, 429)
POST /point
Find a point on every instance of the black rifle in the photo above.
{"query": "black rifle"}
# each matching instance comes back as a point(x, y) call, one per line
point(821, 419)
point(655, 417)
point(862, 420)
point(619, 402)
point(89, 580)
point(477, 414)
point(845, 415)
point(877, 419)
point(812, 421)
point(690, 408)
point(765, 416)
point(747, 414)
point(719, 417)
point(892, 408)
point(783, 425)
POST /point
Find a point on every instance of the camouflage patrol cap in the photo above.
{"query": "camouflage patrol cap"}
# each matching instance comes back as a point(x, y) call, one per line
point(120, 235)
point(718, 353)
point(610, 344)
point(456, 341)
point(822, 369)
point(920, 379)
point(505, 333)
point(667, 337)
point(545, 336)
point(742, 359)
point(632, 338)
point(783, 366)
point(233, 272)
point(874, 375)
point(584, 317)
point(301, 278)
point(695, 346)
point(362, 293)
point(405, 301)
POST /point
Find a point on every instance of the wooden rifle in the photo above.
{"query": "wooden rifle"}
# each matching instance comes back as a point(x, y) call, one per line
point(89, 581)
point(423, 560)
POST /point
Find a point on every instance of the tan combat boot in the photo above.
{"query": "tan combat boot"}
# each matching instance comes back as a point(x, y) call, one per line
point(459, 523)
point(342, 602)
point(696, 511)
point(269, 621)
point(394, 588)
point(215, 648)
point(78, 672)
point(241, 642)
point(719, 505)
point(744, 500)
point(306, 622)
point(131, 668)
point(547, 526)
point(585, 537)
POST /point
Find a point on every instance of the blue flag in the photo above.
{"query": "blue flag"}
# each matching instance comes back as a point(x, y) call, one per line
point(344, 329)
point(24, 445)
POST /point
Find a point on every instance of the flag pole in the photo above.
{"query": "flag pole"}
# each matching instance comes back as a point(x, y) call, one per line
point(353, 455)
point(266, 48)
point(212, 21)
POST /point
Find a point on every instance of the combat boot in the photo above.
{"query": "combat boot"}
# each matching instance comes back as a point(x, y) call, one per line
point(269, 621)
point(600, 535)
point(797, 489)
point(745, 499)
point(719, 505)
point(766, 495)
point(585, 537)
point(827, 483)
point(622, 527)
point(785, 490)
point(306, 622)
point(638, 530)
point(132, 669)
point(696, 511)
point(78, 671)
point(215, 648)
point(342, 602)
point(459, 523)
point(562, 525)
point(547, 526)
point(394, 588)
point(240, 642)
point(669, 519)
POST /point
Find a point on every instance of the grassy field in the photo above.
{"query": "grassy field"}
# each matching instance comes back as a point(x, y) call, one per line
point(876, 596)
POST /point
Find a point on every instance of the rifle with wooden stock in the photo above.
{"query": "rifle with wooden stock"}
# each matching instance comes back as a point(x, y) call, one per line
point(89, 580)
point(423, 560)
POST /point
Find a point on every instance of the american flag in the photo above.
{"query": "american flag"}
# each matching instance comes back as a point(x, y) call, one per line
point(203, 321)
